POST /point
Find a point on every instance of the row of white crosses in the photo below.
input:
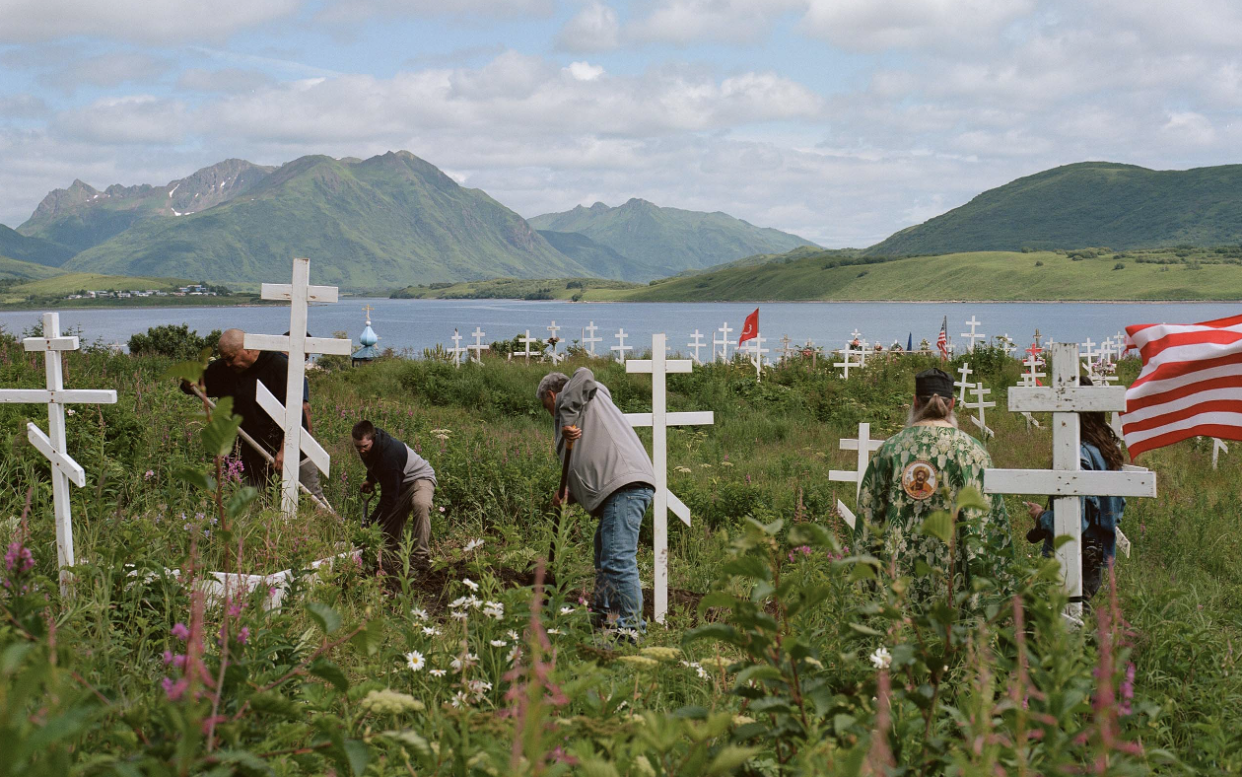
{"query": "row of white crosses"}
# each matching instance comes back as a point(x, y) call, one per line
point(53, 445)
point(297, 344)
point(1065, 399)
point(659, 419)
point(458, 351)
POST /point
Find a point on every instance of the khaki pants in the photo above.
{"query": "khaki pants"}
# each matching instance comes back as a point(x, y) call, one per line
point(415, 499)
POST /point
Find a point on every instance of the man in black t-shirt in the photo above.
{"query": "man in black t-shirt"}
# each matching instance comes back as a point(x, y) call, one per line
point(235, 374)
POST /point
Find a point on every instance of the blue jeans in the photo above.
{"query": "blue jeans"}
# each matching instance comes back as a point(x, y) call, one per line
point(617, 587)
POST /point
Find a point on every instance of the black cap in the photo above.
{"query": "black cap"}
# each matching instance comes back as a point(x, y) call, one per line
point(933, 381)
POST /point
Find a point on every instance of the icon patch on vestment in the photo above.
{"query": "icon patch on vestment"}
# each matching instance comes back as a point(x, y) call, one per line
point(919, 480)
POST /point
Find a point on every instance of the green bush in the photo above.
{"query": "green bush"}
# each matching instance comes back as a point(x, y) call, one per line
point(174, 341)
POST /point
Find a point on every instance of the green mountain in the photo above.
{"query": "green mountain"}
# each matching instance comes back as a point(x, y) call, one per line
point(81, 216)
point(600, 260)
point(669, 238)
point(15, 245)
point(16, 269)
point(1087, 204)
point(391, 220)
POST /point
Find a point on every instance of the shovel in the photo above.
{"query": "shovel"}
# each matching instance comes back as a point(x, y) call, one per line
point(563, 492)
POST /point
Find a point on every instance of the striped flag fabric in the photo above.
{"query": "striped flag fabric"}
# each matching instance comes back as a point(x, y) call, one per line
point(1190, 384)
point(942, 340)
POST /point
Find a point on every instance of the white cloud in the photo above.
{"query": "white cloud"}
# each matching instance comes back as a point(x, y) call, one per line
point(137, 20)
point(224, 80)
point(352, 11)
point(1190, 128)
point(594, 28)
point(136, 119)
point(106, 70)
point(686, 21)
point(584, 71)
point(865, 25)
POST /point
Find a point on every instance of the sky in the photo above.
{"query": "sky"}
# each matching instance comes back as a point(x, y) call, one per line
point(842, 121)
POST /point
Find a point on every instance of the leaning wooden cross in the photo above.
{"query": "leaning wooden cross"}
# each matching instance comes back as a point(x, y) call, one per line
point(659, 419)
point(1065, 399)
point(53, 445)
point(865, 446)
point(981, 404)
point(297, 344)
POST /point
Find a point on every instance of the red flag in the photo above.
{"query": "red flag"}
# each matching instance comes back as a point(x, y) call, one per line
point(750, 329)
point(1189, 386)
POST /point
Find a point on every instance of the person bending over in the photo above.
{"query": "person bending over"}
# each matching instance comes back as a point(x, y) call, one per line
point(407, 486)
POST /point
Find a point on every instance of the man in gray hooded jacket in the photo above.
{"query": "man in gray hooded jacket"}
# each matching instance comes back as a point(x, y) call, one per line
point(611, 476)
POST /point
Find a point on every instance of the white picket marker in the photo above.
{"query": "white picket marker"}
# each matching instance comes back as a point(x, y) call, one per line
point(963, 384)
point(457, 350)
point(553, 356)
point(971, 335)
point(981, 405)
point(53, 444)
point(478, 347)
point(621, 347)
point(589, 339)
point(1217, 447)
point(697, 345)
point(526, 341)
point(1065, 399)
point(724, 331)
point(865, 446)
point(298, 345)
point(755, 351)
point(659, 419)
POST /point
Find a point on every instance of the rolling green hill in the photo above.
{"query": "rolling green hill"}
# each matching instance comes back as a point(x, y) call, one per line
point(596, 289)
point(15, 269)
point(17, 246)
point(389, 220)
point(600, 260)
point(985, 275)
point(669, 239)
point(1087, 204)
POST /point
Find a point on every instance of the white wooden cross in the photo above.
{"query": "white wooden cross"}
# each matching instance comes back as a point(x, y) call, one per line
point(785, 351)
point(855, 335)
point(865, 446)
point(553, 356)
point(1065, 399)
point(1090, 356)
point(478, 347)
point(621, 347)
point(457, 350)
point(755, 350)
point(845, 365)
point(981, 405)
point(659, 419)
point(1030, 379)
point(298, 345)
point(589, 339)
point(963, 384)
point(697, 345)
point(1217, 447)
point(526, 341)
point(1007, 345)
point(973, 324)
point(53, 444)
point(724, 331)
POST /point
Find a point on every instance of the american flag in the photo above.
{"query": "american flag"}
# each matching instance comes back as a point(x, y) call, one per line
point(942, 341)
point(1190, 384)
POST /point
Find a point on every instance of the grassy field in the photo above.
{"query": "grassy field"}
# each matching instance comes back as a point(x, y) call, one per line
point(770, 674)
point(19, 270)
point(594, 289)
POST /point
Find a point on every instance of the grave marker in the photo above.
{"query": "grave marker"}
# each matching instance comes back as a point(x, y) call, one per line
point(659, 419)
point(724, 331)
point(53, 445)
point(1217, 447)
point(552, 343)
point(457, 350)
point(478, 347)
point(864, 446)
point(298, 344)
point(697, 345)
point(963, 384)
point(971, 335)
point(526, 340)
point(621, 348)
point(755, 351)
point(981, 405)
point(589, 341)
point(1065, 399)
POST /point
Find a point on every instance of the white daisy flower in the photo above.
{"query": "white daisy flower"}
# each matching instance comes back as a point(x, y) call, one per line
point(473, 545)
point(555, 631)
point(499, 643)
point(881, 658)
point(460, 699)
point(513, 635)
point(475, 602)
point(494, 610)
point(437, 672)
point(415, 661)
point(458, 603)
point(431, 631)
point(460, 615)
point(515, 654)
point(467, 582)
point(418, 614)
point(566, 610)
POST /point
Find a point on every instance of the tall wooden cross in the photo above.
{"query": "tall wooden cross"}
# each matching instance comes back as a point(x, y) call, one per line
point(589, 339)
point(478, 347)
point(981, 404)
point(865, 446)
point(621, 347)
point(53, 444)
point(553, 342)
point(1007, 344)
point(844, 366)
point(457, 350)
point(298, 344)
point(526, 341)
point(697, 345)
point(785, 351)
point(1065, 399)
point(973, 323)
point(754, 348)
point(659, 419)
point(963, 384)
point(724, 331)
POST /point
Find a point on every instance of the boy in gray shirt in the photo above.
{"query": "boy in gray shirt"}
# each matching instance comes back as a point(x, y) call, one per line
point(407, 485)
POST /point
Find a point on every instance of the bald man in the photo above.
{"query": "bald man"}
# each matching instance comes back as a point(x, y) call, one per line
point(236, 374)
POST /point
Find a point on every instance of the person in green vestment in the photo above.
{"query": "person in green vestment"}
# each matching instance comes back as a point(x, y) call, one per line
point(919, 471)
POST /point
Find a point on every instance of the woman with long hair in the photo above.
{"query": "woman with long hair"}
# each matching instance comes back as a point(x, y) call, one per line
point(1099, 450)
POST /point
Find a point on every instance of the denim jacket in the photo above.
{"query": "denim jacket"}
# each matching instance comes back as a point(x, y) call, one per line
point(1100, 514)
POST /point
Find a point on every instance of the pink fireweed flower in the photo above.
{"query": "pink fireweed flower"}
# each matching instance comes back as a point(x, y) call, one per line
point(148, 475)
point(174, 690)
point(1127, 689)
point(181, 632)
point(18, 559)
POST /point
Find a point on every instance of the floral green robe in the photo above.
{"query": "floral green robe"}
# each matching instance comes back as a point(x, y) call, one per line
point(918, 472)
